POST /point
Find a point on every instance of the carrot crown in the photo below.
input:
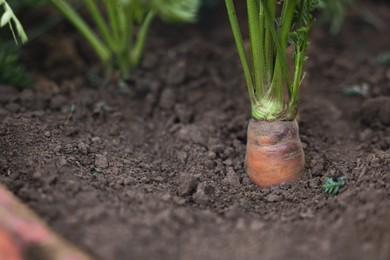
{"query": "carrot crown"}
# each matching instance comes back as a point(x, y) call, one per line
point(266, 72)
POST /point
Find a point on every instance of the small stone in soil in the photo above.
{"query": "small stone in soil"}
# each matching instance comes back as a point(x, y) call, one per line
point(184, 113)
point(192, 133)
point(83, 147)
point(200, 195)
point(187, 184)
point(96, 140)
point(211, 155)
point(101, 161)
point(182, 156)
point(231, 178)
point(273, 198)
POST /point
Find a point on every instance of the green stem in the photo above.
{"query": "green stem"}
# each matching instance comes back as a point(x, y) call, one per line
point(255, 40)
point(101, 24)
point(112, 17)
point(241, 50)
point(269, 43)
point(279, 48)
point(136, 54)
point(101, 50)
point(123, 29)
point(262, 48)
point(12, 18)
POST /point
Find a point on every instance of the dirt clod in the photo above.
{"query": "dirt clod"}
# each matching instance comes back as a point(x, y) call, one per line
point(101, 161)
point(376, 111)
point(273, 198)
point(187, 184)
point(232, 178)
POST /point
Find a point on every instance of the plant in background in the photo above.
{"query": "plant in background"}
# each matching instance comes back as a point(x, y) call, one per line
point(334, 12)
point(274, 151)
point(11, 72)
point(10, 19)
point(383, 59)
point(332, 187)
point(122, 28)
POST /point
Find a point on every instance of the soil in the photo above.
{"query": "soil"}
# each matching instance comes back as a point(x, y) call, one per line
point(153, 169)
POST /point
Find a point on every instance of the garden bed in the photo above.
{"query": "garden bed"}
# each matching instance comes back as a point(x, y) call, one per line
point(155, 170)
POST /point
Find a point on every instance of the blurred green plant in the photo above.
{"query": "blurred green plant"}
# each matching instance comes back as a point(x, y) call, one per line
point(9, 18)
point(332, 187)
point(11, 71)
point(383, 59)
point(122, 26)
point(334, 13)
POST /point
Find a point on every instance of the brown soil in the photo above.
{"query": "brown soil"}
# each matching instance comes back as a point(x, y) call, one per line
point(155, 170)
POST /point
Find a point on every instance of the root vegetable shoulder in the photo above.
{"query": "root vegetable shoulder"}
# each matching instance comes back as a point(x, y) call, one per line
point(274, 152)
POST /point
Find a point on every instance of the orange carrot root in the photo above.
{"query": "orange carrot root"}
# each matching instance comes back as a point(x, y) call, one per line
point(8, 248)
point(21, 230)
point(274, 152)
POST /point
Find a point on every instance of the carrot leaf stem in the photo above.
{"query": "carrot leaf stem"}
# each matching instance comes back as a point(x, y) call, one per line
point(136, 53)
point(241, 50)
point(254, 28)
point(118, 22)
point(99, 20)
point(8, 17)
point(100, 49)
point(267, 75)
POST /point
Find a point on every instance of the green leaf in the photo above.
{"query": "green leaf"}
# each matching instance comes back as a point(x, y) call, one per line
point(12, 72)
point(332, 187)
point(6, 18)
point(176, 10)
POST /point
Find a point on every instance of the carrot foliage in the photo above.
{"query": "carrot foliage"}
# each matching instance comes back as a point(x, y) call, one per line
point(334, 13)
point(122, 26)
point(9, 18)
point(273, 27)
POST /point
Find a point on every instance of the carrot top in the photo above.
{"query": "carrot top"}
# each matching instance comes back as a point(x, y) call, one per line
point(122, 26)
point(8, 17)
point(267, 72)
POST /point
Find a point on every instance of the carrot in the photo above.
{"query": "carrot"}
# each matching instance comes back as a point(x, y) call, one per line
point(273, 77)
point(8, 248)
point(21, 230)
point(274, 152)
